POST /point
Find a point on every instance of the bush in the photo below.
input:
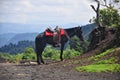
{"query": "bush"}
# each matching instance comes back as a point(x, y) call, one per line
point(48, 53)
point(29, 54)
point(52, 53)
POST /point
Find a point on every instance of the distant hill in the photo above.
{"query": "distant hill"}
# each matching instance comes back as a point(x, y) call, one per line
point(21, 37)
point(87, 29)
point(4, 38)
point(14, 38)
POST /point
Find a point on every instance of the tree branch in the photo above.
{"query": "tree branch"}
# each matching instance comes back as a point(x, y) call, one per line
point(93, 8)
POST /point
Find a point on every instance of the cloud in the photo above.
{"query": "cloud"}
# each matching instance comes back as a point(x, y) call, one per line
point(45, 11)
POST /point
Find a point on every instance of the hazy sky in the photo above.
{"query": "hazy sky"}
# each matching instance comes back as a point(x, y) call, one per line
point(46, 11)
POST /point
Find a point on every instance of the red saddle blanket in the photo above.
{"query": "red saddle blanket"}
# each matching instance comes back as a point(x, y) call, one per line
point(48, 33)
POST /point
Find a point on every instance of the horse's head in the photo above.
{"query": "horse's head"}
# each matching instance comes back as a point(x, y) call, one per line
point(78, 32)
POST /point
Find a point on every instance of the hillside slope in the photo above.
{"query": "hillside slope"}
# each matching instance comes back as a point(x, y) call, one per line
point(105, 54)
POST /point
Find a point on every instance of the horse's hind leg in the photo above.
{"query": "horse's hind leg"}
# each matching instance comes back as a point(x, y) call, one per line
point(38, 59)
point(42, 59)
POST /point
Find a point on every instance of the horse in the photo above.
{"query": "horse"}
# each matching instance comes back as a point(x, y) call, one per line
point(42, 40)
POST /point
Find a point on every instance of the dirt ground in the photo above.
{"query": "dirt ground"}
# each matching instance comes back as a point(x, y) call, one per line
point(50, 71)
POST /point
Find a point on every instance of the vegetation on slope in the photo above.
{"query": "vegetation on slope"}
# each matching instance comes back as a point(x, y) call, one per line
point(107, 61)
point(100, 68)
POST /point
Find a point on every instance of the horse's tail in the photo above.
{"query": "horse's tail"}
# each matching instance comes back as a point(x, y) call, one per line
point(36, 43)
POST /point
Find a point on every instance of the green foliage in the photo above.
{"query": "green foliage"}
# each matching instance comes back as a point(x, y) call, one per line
point(111, 60)
point(75, 44)
point(49, 53)
point(17, 57)
point(100, 68)
point(97, 57)
point(109, 17)
point(52, 53)
point(102, 64)
point(70, 53)
point(28, 54)
point(5, 55)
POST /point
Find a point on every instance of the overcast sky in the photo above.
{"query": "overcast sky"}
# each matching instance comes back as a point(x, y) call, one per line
point(46, 11)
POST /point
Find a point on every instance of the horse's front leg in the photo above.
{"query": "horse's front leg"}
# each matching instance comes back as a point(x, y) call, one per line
point(61, 53)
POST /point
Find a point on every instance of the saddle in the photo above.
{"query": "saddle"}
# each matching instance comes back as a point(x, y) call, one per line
point(53, 33)
point(56, 36)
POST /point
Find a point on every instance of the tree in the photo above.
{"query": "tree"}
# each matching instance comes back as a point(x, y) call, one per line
point(109, 12)
point(109, 17)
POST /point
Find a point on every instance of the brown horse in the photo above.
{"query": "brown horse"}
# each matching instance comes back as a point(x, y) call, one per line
point(41, 41)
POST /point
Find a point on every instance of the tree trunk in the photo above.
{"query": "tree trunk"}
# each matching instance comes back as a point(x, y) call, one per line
point(97, 13)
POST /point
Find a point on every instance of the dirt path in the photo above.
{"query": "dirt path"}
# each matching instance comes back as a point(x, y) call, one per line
point(52, 71)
